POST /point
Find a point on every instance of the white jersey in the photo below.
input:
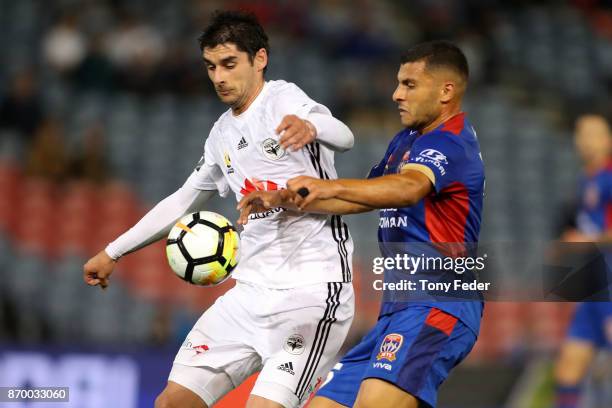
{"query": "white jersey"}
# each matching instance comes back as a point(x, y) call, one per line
point(279, 248)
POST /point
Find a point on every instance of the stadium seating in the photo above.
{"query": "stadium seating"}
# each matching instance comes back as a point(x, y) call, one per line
point(152, 144)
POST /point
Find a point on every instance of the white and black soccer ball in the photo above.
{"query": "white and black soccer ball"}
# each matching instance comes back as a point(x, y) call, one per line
point(203, 248)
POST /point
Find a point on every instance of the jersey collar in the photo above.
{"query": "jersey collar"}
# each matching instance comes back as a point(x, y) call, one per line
point(454, 124)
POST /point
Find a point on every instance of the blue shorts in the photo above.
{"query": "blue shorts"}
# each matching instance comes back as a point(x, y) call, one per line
point(414, 349)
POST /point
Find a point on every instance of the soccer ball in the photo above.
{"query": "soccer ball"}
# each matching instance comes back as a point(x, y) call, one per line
point(203, 248)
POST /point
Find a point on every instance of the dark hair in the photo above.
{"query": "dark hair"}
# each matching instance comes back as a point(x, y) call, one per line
point(237, 27)
point(439, 54)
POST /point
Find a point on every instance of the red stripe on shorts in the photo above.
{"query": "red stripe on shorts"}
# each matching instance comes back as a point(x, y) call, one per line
point(441, 321)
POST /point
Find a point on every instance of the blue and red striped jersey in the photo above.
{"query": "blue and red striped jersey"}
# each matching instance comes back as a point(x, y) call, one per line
point(595, 202)
point(452, 212)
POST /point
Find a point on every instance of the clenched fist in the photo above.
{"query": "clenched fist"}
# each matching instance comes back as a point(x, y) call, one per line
point(97, 270)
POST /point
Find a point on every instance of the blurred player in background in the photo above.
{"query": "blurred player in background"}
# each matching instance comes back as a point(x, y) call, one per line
point(591, 327)
point(293, 302)
point(432, 175)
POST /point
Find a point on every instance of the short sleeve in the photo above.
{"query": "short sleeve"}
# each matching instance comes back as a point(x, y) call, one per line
point(587, 325)
point(438, 157)
point(291, 100)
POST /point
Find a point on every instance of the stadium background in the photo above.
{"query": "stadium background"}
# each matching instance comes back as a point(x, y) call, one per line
point(104, 106)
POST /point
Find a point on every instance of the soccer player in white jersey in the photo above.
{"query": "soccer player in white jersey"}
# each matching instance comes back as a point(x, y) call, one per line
point(293, 301)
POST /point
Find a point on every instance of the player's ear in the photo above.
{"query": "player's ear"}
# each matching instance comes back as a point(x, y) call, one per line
point(261, 59)
point(448, 91)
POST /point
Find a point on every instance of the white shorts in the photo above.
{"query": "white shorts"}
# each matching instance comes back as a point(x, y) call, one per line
point(291, 335)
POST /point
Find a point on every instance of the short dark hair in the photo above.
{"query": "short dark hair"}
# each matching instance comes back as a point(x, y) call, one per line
point(439, 54)
point(238, 27)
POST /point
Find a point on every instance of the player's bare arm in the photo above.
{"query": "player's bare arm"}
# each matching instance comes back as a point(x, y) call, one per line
point(342, 196)
point(259, 201)
point(396, 190)
point(575, 236)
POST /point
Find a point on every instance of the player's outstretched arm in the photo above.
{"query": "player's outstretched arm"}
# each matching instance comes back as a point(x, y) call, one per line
point(153, 226)
point(395, 190)
point(341, 196)
point(259, 201)
point(297, 132)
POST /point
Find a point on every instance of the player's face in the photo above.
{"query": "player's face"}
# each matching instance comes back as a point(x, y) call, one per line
point(416, 95)
point(592, 139)
point(237, 78)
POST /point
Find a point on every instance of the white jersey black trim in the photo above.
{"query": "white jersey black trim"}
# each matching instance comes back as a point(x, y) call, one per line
point(344, 232)
point(340, 234)
point(339, 228)
point(315, 160)
point(321, 336)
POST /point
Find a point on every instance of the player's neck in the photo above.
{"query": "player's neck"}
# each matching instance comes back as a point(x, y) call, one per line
point(236, 111)
point(596, 165)
point(441, 119)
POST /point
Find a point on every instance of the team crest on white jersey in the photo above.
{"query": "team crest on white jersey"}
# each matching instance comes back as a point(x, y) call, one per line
point(272, 149)
point(294, 344)
point(228, 163)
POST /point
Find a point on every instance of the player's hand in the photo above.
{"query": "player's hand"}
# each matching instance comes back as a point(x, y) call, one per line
point(259, 201)
point(573, 236)
point(295, 132)
point(317, 189)
point(97, 270)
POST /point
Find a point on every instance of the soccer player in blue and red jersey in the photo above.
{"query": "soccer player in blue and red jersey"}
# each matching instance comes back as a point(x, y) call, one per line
point(591, 327)
point(429, 187)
